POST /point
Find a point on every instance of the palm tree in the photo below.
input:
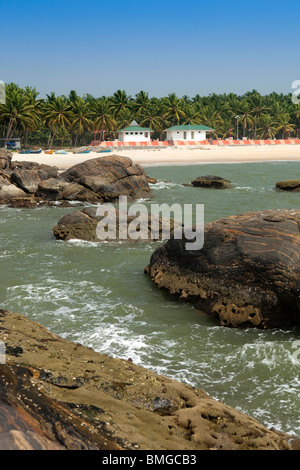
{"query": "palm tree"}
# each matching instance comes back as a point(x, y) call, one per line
point(140, 103)
point(80, 117)
point(16, 112)
point(31, 95)
point(174, 108)
point(120, 101)
point(57, 114)
point(285, 126)
point(102, 116)
point(258, 109)
point(268, 129)
point(150, 117)
point(244, 110)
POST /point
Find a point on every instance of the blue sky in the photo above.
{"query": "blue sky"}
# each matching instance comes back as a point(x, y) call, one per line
point(161, 46)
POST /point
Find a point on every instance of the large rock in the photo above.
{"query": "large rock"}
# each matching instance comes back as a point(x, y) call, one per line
point(83, 224)
point(211, 181)
point(28, 175)
point(246, 275)
point(55, 394)
point(110, 177)
point(54, 189)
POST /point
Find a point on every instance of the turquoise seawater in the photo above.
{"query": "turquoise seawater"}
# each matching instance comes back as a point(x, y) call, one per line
point(97, 294)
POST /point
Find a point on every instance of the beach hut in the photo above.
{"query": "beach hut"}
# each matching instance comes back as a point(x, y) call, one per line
point(134, 133)
point(188, 132)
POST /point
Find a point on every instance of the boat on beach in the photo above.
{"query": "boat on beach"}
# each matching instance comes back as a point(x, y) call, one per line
point(49, 152)
point(30, 151)
point(81, 152)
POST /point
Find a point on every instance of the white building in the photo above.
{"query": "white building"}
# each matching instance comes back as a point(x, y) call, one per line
point(134, 133)
point(188, 132)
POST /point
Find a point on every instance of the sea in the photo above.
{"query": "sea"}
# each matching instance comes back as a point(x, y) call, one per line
point(98, 295)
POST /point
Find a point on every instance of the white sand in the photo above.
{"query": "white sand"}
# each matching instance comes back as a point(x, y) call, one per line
point(177, 156)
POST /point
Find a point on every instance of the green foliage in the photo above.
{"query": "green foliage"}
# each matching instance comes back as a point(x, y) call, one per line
point(71, 120)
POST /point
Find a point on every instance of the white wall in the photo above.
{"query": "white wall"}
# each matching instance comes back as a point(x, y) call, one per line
point(190, 135)
point(134, 136)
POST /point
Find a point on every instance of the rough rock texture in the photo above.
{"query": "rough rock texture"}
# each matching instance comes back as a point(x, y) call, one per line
point(83, 224)
point(98, 180)
point(246, 275)
point(289, 185)
point(110, 177)
point(5, 159)
point(210, 181)
point(55, 394)
point(30, 174)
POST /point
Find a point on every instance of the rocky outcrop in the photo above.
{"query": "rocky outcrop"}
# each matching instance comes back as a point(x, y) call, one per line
point(110, 177)
point(55, 394)
point(246, 275)
point(289, 185)
point(210, 181)
point(98, 180)
point(83, 225)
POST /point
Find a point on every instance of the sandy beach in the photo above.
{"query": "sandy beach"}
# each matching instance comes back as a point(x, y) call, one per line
point(177, 156)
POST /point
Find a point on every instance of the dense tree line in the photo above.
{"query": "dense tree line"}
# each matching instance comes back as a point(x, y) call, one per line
point(70, 120)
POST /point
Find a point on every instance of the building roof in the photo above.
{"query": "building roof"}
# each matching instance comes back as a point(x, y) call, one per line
point(134, 127)
point(190, 127)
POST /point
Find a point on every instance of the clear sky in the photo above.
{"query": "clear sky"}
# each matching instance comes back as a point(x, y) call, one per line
point(160, 46)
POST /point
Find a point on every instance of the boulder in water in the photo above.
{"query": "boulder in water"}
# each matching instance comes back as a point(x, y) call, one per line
point(246, 275)
point(289, 185)
point(210, 181)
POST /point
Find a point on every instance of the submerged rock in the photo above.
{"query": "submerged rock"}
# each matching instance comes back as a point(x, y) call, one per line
point(246, 275)
point(55, 394)
point(210, 181)
point(83, 225)
point(289, 185)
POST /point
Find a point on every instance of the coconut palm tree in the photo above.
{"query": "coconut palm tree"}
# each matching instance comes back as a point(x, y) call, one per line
point(81, 117)
point(151, 117)
point(57, 114)
point(102, 115)
point(16, 112)
point(174, 108)
point(285, 126)
point(120, 101)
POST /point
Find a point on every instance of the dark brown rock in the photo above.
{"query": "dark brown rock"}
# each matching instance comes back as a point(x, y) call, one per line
point(55, 394)
point(110, 177)
point(246, 275)
point(210, 181)
point(289, 185)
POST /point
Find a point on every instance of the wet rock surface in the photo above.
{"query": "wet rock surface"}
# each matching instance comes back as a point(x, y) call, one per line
point(246, 275)
point(289, 185)
point(211, 181)
point(56, 394)
point(84, 225)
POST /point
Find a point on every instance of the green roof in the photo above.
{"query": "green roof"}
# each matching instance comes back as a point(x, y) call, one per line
point(190, 127)
point(135, 129)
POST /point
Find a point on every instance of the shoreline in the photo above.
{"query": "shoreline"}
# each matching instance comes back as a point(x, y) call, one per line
point(175, 156)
